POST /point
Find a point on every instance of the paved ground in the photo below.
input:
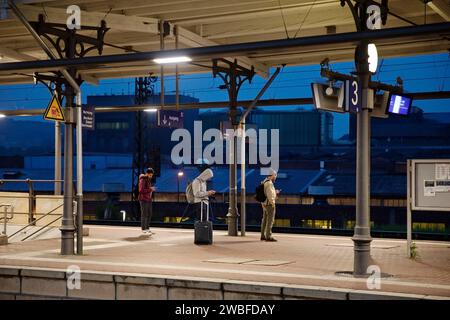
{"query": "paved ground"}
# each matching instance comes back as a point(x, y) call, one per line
point(294, 259)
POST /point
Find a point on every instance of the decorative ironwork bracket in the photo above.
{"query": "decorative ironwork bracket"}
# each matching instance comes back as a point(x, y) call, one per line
point(233, 75)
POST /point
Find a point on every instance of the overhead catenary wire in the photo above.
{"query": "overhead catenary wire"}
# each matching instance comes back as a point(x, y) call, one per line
point(300, 80)
point(304, 19)
point(284, 21)
point(445, 64)
point(217, 90)
point(43, 9)
point(401, 18)
point(441, 88)
point(425, 11)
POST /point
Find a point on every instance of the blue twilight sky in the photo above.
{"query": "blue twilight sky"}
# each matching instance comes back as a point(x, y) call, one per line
point(419, 73)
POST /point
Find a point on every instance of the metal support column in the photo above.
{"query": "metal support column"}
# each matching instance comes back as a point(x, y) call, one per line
point(233, 214)
point(31, 201)
point(161, 41)
point(67, 225)
point(144, 89)
point(66, 46)
point(177, 74)
point(233, 77)
point(242, 124)
point(79, 175)
point(57, 158)
point(408, 208)
point(243, 191)
point(361, 237)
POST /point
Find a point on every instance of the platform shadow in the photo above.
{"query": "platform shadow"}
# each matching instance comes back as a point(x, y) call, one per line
point(138, 238)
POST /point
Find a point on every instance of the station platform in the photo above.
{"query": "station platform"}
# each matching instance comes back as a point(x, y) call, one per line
point(121, 263)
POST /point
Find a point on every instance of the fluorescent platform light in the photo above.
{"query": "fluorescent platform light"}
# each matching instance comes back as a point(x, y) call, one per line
point(151, 110)
point(172, 60)
point(2, 116)
point(373, 57)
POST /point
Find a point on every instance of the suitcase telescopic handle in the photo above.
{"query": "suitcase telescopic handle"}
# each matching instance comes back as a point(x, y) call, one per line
point(201, 210)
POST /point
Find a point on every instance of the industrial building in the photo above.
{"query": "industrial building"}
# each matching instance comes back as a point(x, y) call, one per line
point(115, 131)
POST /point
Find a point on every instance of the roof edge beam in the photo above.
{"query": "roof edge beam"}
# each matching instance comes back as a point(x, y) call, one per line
point(113, 21)
point(220, 51)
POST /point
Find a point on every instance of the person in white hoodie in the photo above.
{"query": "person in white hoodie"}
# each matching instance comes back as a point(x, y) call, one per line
point(201, 194)
point(268, 207)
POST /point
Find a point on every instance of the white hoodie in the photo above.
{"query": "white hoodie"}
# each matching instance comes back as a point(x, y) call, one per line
point(199, 186)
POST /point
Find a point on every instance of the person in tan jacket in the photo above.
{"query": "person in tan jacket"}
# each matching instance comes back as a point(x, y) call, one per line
point(268, 207)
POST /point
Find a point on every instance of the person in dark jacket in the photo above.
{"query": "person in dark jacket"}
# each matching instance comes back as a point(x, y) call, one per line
point(145, 199)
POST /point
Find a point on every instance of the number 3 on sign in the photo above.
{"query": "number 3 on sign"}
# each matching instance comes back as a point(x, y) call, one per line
point(355, 96)
point(352, 95)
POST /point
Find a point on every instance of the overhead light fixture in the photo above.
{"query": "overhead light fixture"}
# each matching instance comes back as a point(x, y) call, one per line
point(373, 57)
point(151, 110)
point(2, 116)
point(172, 60)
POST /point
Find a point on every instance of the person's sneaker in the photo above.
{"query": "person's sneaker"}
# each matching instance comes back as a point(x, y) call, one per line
point(263, 238)
point(144, 231)
point(271, 239)
point(150, 233)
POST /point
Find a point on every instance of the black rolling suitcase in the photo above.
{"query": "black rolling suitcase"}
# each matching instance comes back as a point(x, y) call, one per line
point(203, 230)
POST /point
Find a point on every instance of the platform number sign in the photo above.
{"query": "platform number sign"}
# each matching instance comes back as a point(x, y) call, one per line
point(353, 95)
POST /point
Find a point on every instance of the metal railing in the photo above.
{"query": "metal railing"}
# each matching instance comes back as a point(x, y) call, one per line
point(31, 196)
point(5, 217)
point(34, 222)
point(31, 193)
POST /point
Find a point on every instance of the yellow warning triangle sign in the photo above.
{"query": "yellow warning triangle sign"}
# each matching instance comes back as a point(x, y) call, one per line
point(54, 110)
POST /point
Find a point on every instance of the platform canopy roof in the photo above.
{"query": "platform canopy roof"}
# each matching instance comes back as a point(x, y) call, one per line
point(204, 23)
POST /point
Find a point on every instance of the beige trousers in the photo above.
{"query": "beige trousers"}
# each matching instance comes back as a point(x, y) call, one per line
point(267, 221)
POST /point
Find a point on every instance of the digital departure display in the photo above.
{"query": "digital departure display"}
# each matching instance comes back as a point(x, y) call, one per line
point(399, 104)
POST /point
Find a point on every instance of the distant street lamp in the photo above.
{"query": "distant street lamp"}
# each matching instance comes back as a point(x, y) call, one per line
point(179, 175)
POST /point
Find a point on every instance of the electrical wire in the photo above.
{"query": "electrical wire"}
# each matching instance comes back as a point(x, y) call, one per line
point(116, 83)
point(386, 68)
point(380, 69)
point(284, 21)
point(425, 12)
point(304, 19)
point(45, 12)
point(126, 49)
point(441, 88)
point(401, 18)
point(216, 90)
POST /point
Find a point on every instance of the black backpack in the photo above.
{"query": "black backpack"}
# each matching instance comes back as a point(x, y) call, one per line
point(260, 195)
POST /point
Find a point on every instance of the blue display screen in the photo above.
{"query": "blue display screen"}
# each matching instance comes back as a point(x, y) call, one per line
point(399, 104)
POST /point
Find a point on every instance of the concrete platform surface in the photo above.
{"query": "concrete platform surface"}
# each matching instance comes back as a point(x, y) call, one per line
point(306, 260)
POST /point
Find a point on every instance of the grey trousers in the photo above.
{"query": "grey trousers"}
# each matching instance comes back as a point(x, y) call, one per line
point(146, 214)
point(267, 221)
